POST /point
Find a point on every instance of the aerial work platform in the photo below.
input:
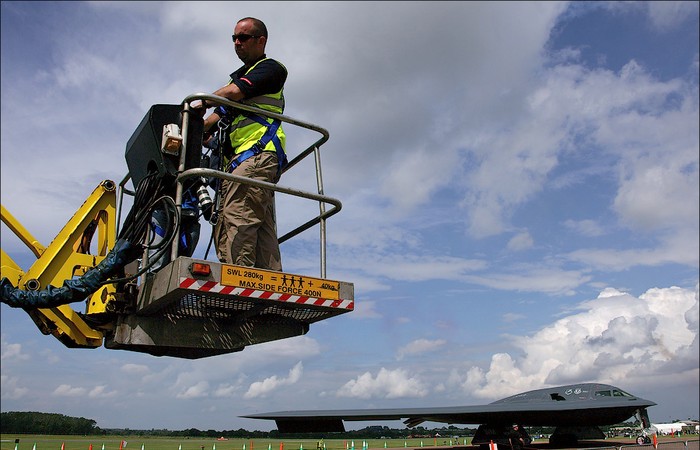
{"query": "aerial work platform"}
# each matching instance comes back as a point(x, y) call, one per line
point(193, 308)
point(188, 308)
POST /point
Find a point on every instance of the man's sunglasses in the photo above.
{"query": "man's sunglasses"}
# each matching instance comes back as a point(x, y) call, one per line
point(242, 37)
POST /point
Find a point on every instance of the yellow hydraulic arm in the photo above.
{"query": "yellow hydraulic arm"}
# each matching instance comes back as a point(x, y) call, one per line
point(70, 254)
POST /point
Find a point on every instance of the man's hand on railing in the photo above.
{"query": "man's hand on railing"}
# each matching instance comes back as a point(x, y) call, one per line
point(199, 108)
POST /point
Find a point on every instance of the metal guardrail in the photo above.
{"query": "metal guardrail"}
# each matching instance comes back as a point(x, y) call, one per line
point(314, 148)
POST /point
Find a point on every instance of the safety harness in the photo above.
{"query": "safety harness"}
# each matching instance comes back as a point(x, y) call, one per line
point(259, 147)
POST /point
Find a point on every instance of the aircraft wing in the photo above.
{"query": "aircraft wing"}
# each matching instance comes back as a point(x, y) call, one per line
point(550, 407)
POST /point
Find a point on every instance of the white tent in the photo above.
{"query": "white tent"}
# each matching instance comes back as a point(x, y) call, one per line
point(668, 428)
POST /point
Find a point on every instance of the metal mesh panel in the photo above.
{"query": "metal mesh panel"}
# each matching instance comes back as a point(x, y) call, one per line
point(194, 304)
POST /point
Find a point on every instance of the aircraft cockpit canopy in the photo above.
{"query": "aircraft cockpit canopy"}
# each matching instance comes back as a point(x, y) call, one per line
point(612, 393)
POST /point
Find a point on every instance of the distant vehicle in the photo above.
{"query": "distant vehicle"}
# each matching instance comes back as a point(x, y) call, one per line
point(576, 410)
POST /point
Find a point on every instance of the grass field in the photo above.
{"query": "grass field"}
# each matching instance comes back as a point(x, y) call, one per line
point(135, 442)
point(43, 442)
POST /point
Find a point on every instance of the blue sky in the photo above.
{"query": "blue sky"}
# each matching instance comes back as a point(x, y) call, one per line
point(519, 185)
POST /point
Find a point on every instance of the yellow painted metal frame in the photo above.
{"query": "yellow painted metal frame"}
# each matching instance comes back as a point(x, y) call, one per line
point(69, 255)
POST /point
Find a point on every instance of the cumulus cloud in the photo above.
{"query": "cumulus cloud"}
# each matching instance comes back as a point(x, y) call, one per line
point(665, 15)
point(219, 372)
point(11, 388)
point(262, 388)
point(198, 390)
point(366, 310)
point(12, 351)
point(226, 390)
point(612, 338)
point(420, 346)
point(576, 105)
point(101, 392)
point(387, 384)
point(521, 241)
point(66, 390)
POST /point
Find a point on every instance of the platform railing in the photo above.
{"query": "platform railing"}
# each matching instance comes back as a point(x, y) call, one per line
point(314, 148)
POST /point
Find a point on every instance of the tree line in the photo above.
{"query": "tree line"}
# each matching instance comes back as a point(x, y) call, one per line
point(45, 423)
point(59, 424)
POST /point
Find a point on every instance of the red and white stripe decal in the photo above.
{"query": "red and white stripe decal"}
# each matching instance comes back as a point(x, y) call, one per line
point(214, 287)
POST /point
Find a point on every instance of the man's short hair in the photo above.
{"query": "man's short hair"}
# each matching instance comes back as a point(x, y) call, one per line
point(258, 26)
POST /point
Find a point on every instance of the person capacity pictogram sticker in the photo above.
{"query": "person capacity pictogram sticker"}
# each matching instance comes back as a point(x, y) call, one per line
point(284, 283)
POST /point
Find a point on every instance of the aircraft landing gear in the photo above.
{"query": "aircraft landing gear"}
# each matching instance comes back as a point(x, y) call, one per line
point(641, 440)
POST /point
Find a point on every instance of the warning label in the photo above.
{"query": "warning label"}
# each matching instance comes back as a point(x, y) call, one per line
point(282, 283)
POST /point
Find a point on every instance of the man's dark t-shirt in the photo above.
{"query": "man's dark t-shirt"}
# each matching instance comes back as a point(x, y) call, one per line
point(266, 78)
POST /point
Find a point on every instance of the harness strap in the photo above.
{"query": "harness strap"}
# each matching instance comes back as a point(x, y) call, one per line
point(160, 231)
point(258, 147)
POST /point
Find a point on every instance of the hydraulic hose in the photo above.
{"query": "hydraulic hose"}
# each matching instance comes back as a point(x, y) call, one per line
point(75, 289)
point(124, 251)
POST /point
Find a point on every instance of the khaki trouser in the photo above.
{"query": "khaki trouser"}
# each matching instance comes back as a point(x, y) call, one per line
point(246, 233)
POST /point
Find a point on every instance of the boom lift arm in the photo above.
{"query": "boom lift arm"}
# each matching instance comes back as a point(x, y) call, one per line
point(67, 256)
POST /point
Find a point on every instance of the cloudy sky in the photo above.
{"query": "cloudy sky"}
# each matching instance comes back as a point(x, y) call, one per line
point(519, 185)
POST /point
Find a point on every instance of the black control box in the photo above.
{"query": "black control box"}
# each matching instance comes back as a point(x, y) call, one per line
point(143, 150)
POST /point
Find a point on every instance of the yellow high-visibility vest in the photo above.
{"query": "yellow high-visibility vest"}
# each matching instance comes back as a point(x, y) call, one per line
point(246, 132)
